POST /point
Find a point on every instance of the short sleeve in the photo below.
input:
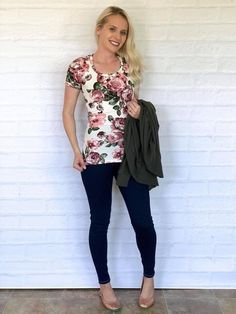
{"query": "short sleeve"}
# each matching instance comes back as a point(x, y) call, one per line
point(73, 75)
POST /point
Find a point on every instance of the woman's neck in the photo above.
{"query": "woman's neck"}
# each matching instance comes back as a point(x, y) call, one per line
point(104, 56)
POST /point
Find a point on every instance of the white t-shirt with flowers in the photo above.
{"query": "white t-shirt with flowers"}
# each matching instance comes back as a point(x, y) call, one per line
point(106, 96)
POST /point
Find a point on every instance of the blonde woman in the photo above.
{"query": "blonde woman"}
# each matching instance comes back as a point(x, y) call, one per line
point(109, 80)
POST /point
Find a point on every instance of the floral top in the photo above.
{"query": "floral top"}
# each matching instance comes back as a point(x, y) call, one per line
point(106, 96)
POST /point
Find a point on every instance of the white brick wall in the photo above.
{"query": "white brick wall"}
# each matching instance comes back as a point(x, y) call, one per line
point(190, 54)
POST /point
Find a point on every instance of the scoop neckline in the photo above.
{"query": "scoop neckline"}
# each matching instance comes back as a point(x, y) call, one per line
point(105, 73)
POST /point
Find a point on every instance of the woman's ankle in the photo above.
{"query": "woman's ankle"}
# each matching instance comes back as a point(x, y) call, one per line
point(148, 280)
point(104, 286)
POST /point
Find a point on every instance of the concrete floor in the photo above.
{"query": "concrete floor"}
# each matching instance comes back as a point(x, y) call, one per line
point(86, 301)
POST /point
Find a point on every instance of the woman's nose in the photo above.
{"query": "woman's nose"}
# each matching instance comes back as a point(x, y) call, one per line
point(118, 36)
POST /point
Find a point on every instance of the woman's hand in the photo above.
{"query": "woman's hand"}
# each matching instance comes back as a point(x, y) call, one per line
point(134, 108)
point(79, 163)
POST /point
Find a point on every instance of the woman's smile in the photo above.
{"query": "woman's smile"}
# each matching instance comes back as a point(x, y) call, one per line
point(114, 43)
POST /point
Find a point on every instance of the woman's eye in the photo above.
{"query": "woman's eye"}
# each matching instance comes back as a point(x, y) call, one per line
point(112, 29)
point(123, 33)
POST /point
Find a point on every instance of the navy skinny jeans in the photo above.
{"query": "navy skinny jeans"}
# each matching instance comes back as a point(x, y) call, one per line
point(97, 180)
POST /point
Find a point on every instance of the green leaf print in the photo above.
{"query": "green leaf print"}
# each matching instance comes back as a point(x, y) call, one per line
point(102, 157)
point(108, 96)
point(131, 83)
point(92, 129)
point(113, 101)
point(71, 80)
point(113, 144)
point(104, 90)
point(102, 160)
point(110, 118)
point(118, 112)
point(97, 85)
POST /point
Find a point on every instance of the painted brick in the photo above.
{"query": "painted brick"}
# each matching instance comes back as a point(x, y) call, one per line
point(189, 51)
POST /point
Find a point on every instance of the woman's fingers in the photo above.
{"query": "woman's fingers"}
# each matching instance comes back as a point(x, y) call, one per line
point(133, 108)
point(133, 104)
point(79, 163)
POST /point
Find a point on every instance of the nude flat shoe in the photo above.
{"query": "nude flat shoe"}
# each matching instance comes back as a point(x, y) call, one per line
point(114, 306)
point(145, 303)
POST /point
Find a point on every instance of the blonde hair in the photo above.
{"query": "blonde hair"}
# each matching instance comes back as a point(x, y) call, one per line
point(128, 50)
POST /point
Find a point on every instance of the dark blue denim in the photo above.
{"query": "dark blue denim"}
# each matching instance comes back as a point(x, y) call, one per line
point(97, 180)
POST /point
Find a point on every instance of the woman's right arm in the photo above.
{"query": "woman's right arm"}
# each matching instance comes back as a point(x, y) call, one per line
point(70, 99)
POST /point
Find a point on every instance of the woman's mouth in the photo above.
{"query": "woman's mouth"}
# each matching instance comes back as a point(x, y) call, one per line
point(114, 43)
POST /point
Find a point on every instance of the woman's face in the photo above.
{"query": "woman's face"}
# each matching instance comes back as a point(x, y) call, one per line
point(113, 33)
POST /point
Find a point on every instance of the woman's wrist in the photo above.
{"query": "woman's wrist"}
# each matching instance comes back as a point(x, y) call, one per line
point(77, 151)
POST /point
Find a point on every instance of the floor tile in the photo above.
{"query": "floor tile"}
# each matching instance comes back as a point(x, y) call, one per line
point(188, 293)
point(80, 293)
point(37, 293)
point(228, 305)
point(225, 293)
point(3, 303)
point(5, 293)
point(50, 306)
point(192, 305)
point(87, 301)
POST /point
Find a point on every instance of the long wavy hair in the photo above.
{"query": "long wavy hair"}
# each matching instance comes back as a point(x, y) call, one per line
point(128, 50)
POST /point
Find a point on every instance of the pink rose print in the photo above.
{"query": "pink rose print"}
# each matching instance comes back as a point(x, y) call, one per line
point(118, 123)
point(125, 110)
point(116, 84)
point(127, 93)
point(93, 158)
point(114, 137)
point(102, 79)
point(78, 77)
point(97, 95)
point(82, 64)
point(79, 67)
point(122, 77)
point(96, 120)
point(121, 144)
point(93, 143)
point(118, 153)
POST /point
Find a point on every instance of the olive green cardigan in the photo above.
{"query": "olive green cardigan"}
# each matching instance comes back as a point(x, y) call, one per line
point(142, 157)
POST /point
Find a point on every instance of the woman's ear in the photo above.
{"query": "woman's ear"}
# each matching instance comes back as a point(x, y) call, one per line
point(98, 30)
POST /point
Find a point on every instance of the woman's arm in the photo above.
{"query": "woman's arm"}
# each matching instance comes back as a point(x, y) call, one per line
point(70, 99)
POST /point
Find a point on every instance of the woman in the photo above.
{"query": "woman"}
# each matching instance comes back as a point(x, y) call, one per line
point(108, 80)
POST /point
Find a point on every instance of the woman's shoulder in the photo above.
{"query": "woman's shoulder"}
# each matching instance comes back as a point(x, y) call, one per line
point(80, 60)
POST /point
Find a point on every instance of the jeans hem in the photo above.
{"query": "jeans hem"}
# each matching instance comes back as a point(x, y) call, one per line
point(149, 276)
point(104, 282)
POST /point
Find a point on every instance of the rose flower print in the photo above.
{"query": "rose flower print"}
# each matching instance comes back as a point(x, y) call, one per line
point(95, 121)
